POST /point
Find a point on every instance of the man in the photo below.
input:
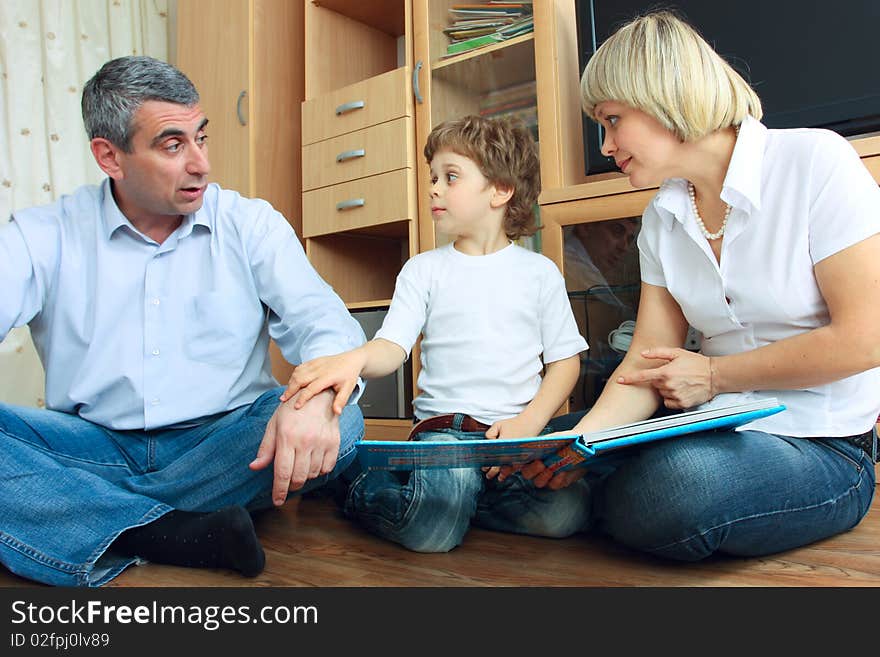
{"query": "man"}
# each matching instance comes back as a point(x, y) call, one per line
point(151, 299)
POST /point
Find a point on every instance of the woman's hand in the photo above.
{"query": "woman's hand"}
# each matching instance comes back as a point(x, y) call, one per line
point(514, 427)
point(684, 380)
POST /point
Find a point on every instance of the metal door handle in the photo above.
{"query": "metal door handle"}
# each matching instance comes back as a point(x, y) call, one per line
point(416, 91)
point(241, 118)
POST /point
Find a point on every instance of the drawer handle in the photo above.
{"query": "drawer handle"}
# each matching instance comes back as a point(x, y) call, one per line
point(349, 204)
point(348, 107)
point(350, 155)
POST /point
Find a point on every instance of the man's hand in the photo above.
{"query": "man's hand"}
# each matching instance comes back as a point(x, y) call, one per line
point(684, 381)
point(304, 444)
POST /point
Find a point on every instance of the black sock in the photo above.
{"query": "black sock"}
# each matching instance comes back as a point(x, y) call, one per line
point(221, 539)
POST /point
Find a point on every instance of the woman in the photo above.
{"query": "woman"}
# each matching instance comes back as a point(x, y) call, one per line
point(766, 242)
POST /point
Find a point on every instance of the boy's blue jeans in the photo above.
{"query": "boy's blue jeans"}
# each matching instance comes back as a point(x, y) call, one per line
point(742, 493)
point(68, 487)
point(430, 510)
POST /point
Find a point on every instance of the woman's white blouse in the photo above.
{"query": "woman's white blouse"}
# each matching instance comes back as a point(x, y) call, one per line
point(798, 196)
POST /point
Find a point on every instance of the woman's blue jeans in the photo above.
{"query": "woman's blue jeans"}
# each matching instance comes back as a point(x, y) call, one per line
point(68, 487)
point(745, 493)
point(742, 493)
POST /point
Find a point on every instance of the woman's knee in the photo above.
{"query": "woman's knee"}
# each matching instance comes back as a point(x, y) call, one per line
point(658, 504)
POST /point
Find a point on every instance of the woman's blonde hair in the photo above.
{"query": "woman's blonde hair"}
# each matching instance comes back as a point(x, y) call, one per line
point(660, 65)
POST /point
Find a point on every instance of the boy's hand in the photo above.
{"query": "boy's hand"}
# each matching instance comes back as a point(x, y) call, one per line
point(514, 427)
point(339, 373)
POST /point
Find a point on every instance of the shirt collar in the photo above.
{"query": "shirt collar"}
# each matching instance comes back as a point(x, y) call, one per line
point(114, 219)
point(742, 184)
point(112, 215)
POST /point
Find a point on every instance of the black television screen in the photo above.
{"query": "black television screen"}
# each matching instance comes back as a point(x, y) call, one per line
point(812, 63)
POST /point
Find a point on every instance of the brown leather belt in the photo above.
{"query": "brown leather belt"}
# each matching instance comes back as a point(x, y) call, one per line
point(447, 421)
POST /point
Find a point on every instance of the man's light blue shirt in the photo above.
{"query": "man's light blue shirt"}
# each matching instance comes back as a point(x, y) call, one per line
point(139, 335)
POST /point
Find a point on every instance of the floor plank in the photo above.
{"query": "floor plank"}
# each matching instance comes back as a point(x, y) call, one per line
point(309, 543)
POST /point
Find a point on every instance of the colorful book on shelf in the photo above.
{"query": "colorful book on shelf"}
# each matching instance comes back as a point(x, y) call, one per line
point(557, 452)
point(517, 28)
point(459, 47)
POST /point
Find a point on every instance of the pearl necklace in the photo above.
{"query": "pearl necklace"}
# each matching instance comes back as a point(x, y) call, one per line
point(693, 194)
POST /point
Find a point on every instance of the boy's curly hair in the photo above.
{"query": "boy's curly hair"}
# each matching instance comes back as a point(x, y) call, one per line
point(506, 154)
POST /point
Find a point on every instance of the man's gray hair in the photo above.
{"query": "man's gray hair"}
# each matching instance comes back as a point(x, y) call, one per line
point(113, 95)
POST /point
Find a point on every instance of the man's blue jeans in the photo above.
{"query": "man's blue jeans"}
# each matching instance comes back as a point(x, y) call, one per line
point(745, 493)
point(68, 487)
point(430, 510)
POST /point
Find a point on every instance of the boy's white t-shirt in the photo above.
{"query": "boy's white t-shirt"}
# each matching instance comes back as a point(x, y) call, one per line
point(488, 324)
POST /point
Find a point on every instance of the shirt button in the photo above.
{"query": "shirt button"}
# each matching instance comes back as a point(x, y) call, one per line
point(155, 402)
point(155, 352)
point(156, 302)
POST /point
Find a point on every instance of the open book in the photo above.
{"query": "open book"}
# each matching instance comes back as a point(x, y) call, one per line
point(558, 452)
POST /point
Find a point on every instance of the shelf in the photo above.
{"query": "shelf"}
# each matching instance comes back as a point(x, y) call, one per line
point(337, 28)
point(390, 230)
point(482, 51)
point(491, 67)
point(602, 184)
point(360, 267)
point(607, 184)
point(386, 429)
point(384, 15)
point(366, 305)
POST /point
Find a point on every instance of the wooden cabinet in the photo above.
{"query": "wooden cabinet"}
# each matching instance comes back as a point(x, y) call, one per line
point(542, 63)
point(360, 214)
point(376, 84)
point(245, 58)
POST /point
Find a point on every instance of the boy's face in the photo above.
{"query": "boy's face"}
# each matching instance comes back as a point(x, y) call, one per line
point(462, 199)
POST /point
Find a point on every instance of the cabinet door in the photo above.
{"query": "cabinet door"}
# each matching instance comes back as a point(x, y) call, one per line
point(493, 80)
point(213, 46)
point(533, 76)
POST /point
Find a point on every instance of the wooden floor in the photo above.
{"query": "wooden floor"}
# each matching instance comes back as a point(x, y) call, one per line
point(309, 543)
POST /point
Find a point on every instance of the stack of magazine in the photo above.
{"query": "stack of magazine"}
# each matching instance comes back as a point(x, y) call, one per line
point(476, 25)
point(519, 100)
point(557, 452)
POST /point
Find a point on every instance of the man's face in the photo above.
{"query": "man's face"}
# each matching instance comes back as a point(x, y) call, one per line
point(166, 172)
point(608, 241)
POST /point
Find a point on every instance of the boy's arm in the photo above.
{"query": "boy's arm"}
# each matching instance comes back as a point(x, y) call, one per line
point(558, 382)
point(372, 360)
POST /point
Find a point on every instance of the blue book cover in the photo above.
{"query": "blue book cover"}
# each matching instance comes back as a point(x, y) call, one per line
point(558, 452)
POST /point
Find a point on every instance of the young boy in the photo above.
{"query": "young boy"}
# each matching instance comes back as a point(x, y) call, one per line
point(492, 314)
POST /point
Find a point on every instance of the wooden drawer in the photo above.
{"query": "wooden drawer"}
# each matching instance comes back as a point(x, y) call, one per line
point(383, 98)
point(381, 148)
point(370, 201)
